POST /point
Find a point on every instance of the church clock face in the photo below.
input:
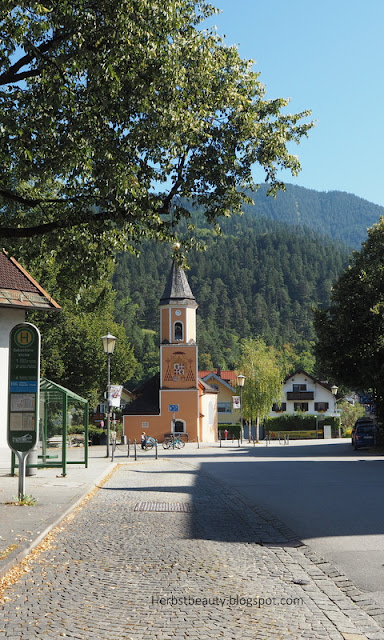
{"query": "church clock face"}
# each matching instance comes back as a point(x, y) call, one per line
point(178, 312)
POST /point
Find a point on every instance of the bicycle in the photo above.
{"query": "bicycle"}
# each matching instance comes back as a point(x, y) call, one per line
point(173, 443)
point(149, 443)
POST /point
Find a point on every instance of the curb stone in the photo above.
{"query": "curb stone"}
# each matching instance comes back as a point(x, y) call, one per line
point(25, 548)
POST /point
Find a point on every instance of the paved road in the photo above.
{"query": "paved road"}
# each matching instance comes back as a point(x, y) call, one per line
point(330, 495)
point(206, 565)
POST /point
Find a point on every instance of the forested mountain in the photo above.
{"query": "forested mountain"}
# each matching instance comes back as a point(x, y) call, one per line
point(340, 215)
point(261, 277)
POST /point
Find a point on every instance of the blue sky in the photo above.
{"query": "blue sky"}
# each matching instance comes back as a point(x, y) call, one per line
point(326, 56)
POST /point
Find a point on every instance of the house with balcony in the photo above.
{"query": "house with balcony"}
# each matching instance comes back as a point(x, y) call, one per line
point(303, 393)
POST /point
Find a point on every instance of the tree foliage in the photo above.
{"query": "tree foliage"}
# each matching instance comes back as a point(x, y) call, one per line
point(350, 332)
point(341, 216)
point(349, 414)
point(73, 355)
point(102, 102)
point(257, 278)
point(71, 348)
point(264, 378)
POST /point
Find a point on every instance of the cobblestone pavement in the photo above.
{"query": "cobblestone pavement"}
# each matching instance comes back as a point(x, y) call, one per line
point(162, 551)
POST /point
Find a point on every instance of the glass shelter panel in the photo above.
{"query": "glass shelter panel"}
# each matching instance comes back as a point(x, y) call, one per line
point(63, 429)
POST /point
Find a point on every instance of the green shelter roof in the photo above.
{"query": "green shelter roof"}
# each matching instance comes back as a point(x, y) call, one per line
point(56, 390)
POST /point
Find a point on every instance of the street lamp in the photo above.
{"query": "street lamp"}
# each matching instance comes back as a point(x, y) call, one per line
point(109, 342)
point(240, 383)
point(334, 390)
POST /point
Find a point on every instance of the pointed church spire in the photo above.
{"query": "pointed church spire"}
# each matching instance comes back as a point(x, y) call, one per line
point(177, 289)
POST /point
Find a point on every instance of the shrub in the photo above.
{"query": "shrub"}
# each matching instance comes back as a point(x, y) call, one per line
point(233, 431)
point(299, 422)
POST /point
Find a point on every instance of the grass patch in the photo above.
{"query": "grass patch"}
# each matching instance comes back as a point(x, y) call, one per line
point(23, 501)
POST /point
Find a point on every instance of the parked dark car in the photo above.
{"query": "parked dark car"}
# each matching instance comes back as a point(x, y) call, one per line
point(363, 420)
point(364, 435)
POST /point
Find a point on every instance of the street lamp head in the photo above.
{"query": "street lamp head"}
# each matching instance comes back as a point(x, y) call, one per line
point(109, 343)
point(240, 380)
point(334, 389)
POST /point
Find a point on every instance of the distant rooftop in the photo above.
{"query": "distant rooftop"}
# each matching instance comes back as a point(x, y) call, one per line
point(18, 290)
point(226, 375)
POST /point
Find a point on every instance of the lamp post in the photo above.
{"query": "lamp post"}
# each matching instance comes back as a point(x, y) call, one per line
point(109, 342)
point(334, 390)
point(240, 383)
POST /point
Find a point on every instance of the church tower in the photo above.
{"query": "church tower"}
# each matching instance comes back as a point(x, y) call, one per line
point(178, 351)
point(175, 400)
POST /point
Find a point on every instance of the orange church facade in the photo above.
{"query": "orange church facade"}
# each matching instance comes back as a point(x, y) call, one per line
point(176, 400)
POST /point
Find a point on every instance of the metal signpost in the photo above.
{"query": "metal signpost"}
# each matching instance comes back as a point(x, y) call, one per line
point(24, 391)
point(173, 408)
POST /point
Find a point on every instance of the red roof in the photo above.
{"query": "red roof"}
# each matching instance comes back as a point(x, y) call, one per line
point(19, 290)
point(227, 376)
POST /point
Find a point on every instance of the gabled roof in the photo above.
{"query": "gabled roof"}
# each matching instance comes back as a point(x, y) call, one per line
point(323, 383)
point(211, 377)
point(177, 289)
point(226, 375)
point(207, 387)
point(56, 392)
point(18, 290)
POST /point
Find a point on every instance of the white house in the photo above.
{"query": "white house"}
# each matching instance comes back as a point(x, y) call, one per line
point(305, 394)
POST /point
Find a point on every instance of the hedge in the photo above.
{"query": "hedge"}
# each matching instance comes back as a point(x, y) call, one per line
point(233, 430)
point(298, 422)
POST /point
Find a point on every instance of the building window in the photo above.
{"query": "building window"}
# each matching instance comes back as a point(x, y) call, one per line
point(224, 407)
point(178, 331)
point(279, 408)
point(300, 406)
point(179, 426)
point(321, 406)
point(299, 387)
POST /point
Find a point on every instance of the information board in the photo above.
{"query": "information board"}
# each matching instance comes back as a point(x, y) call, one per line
point(24, 383)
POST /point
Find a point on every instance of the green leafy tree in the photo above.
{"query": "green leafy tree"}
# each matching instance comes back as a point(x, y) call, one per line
point(72, 351)
point(264, 379)
point(73, 355)
point(291, 359)
point(350, 332)
point(101, 103)
point(349, 414)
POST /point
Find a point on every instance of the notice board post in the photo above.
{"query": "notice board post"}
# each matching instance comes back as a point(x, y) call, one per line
point(23, 397)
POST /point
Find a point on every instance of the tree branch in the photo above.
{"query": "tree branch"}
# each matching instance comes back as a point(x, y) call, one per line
point(168, 199)
point(11, 75)
point(30, 232)
point(35, 202)
point(42, 229)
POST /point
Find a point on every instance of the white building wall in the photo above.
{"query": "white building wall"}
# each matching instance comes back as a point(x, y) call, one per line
point(191, 324)
point(320, 394)
point(209, 421)
point(8, 319)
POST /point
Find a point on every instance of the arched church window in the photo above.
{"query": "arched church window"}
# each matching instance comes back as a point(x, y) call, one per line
point(179, 426)
point(178, 329)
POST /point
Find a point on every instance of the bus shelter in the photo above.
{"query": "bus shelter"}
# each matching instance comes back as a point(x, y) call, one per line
point(60, 409)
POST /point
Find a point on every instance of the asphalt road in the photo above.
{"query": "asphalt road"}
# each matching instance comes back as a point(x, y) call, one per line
point(330, 495)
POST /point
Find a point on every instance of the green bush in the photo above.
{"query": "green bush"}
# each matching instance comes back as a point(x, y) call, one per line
point(298, 422)
point(233, 430)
